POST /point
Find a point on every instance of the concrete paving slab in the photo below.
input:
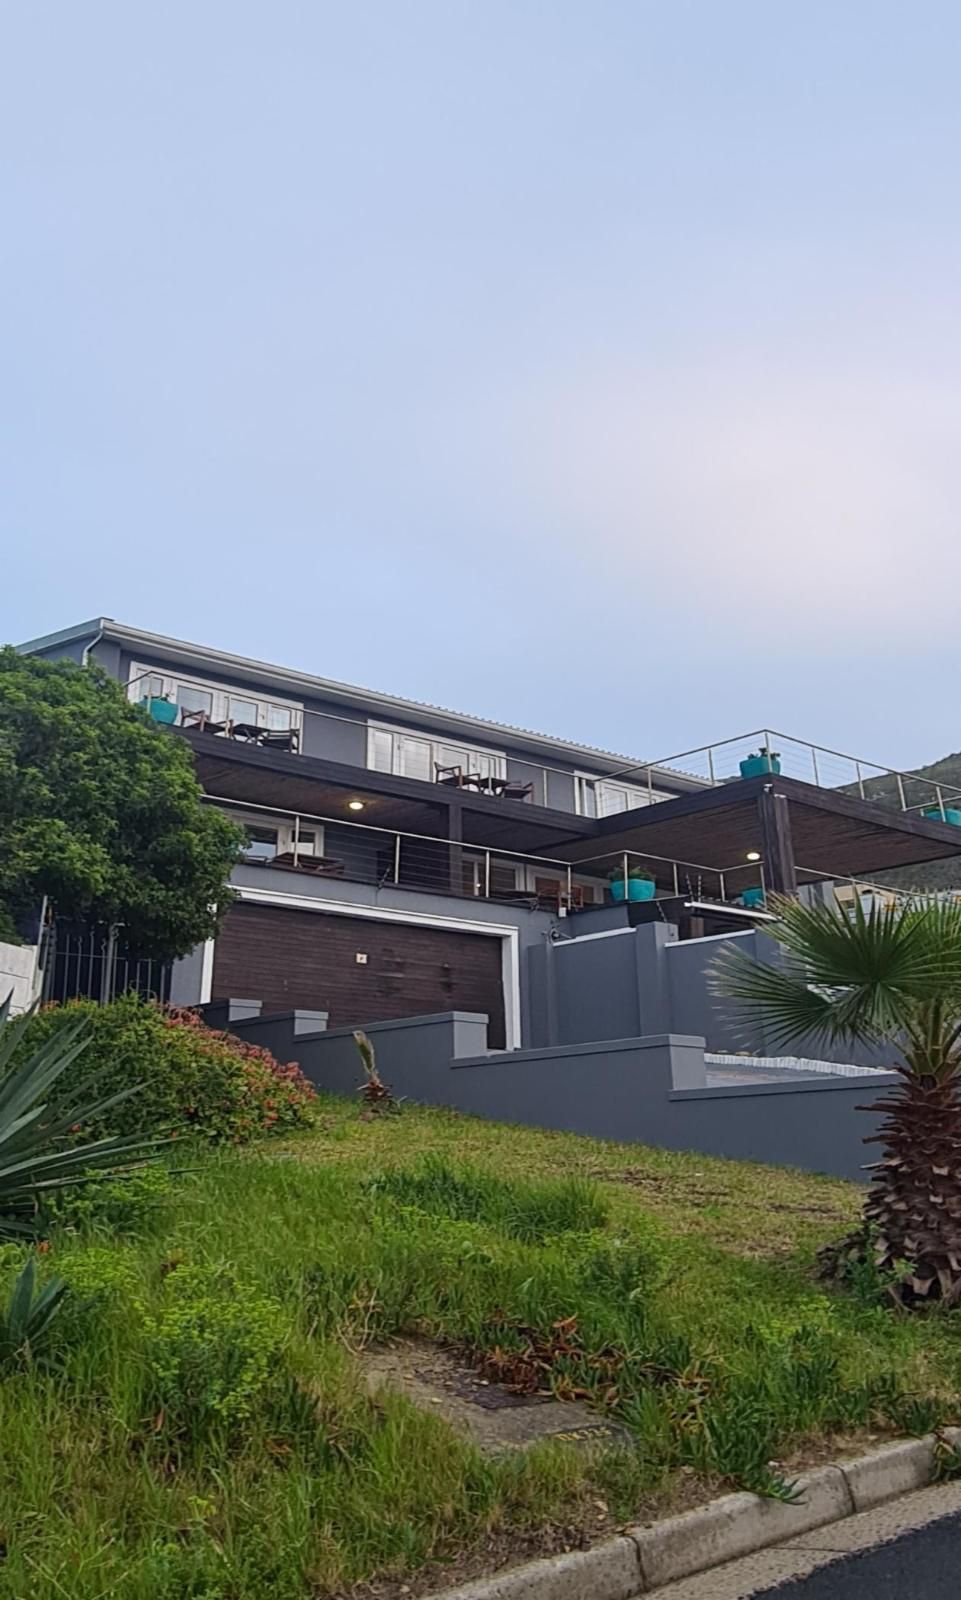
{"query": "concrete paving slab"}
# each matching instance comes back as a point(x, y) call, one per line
point(491, 1416)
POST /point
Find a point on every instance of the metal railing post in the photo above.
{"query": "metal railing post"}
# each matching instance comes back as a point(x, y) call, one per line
point(937, 790)
point(722, 885)
point(397, 858)
point(650, 786)
point(710, 765)
point(857, 768)
point(814, 764)
point(487, 874)
point(296, 838)
point(570, 887)
point(626, 878)
point(904, 804)
point(677, 880)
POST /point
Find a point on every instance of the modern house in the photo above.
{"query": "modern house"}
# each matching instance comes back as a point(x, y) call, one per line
point(405, 860)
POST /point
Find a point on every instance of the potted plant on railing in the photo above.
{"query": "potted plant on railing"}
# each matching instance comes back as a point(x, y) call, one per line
point(952, 815)
point(760, 762)
point(160, 708)
point(638, 884)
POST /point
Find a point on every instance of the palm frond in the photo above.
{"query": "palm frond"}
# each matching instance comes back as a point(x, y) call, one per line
point(850, 974)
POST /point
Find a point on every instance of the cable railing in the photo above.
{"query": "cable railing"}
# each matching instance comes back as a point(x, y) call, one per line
point(518, 779)
point(357, 852)
point(752, 755)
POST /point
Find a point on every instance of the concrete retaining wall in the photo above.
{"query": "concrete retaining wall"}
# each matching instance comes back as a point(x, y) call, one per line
point(621, 981)
point(652, 1089)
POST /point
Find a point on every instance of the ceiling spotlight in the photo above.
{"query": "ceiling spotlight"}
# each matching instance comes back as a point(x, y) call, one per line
point(355, 805)
point(753, 855)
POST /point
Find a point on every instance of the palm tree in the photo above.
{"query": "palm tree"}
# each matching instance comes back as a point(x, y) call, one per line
point(892, 976)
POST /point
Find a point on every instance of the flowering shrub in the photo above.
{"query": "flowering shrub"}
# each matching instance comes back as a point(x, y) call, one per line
point(194, 1079)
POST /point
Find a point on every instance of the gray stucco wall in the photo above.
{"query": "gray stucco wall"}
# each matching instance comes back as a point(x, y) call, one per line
point(652, 1090)
point(644, 980)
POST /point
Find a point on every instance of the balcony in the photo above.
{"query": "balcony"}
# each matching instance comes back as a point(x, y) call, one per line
point(697, 897)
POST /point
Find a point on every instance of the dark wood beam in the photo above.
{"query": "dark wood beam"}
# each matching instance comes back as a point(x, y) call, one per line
point(774, 816)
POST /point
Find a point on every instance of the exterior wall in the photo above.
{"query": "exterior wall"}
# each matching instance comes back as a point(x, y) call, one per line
point(643, 980)
point(19, 976)
point(652, 1090)
point(358, 970)
point(72, 650)
point(530, 927)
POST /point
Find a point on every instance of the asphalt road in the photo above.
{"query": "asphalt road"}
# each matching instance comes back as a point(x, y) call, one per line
point(922, 1565)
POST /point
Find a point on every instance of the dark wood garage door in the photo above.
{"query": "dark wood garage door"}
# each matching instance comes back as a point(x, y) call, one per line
point(307, 958)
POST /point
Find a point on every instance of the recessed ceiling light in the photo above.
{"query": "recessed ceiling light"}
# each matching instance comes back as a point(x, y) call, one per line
point(754, 855)
point(355, 805)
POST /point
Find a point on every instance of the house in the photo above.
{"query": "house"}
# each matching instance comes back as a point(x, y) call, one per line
point(404, 859)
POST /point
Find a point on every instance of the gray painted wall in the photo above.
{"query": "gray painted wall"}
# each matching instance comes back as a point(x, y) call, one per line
point(644, 980)
point(652, 1090)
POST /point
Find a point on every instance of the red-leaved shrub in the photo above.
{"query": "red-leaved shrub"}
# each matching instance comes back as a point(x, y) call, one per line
point(195, 1079)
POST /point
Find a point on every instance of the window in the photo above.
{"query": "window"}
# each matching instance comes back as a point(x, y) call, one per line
point(261, 843)
point(602, 797)
point(413, 755)
point(242, 710)
point(191, 699)
point(268, 837)
point(219, 703)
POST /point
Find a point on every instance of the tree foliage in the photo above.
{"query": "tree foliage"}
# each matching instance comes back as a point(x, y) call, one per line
point(101, 811)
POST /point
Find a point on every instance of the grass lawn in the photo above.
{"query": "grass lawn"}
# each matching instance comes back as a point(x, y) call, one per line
point(200, 1428)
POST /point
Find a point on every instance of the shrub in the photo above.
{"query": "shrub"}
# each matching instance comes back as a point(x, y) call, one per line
point(193, 1077)
point(130, 1203)
point(212, 1350)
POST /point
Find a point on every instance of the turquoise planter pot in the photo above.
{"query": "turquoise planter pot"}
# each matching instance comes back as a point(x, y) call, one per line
point(637, 889)
point(757, 766)
point(161, 710)
point(752, 898)
point(951, 815)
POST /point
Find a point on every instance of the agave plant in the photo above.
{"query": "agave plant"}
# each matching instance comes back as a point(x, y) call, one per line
point(25, 1319)
point(37, 1151)
point(378, 1095)
point(892, 976)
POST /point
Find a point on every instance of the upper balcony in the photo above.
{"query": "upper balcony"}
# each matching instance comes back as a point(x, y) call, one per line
point(849, 816)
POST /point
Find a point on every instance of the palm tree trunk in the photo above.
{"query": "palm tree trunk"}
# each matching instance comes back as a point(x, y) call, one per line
point(913, 1211)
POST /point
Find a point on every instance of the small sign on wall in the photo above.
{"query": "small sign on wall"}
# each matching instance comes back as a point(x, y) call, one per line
point(361, 958)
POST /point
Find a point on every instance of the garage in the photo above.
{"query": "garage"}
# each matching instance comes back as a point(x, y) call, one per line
point(357, 969)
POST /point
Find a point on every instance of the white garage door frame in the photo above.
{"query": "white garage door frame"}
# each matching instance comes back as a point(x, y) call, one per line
point(508, 935)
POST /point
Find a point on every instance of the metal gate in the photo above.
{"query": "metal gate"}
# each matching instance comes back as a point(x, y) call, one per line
point(82, 962)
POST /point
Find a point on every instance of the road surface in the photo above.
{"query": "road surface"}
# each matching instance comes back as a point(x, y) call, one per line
point(907, 1550)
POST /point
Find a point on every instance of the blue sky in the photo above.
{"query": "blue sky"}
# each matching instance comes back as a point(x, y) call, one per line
point(590, 366)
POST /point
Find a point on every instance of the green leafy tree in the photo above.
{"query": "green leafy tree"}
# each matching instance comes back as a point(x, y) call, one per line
point(101, 811)
point(891, 977)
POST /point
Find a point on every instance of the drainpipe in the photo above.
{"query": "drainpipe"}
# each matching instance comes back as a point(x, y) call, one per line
point(85, 658)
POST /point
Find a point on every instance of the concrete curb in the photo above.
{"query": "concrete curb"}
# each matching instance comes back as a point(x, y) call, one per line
point(642, 1559)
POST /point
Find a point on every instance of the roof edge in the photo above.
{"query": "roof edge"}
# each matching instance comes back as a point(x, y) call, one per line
point(80, 630)
point(161, 645)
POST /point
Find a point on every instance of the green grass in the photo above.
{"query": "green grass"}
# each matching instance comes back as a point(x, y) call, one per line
point(200, 1429)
